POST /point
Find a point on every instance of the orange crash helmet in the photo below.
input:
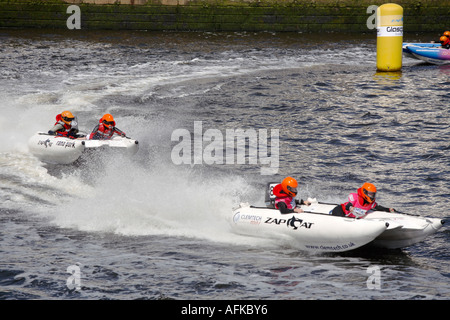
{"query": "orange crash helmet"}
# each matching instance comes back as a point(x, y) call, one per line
point(67, 117)
point(444, 40)
point(108, 121)
point(368, 191)
point(289, 186)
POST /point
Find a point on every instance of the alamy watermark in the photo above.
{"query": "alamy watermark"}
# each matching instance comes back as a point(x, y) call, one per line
point(213, 147)
point(74, 281)
point(374, 280)
point(74, 21)
point(371, 22)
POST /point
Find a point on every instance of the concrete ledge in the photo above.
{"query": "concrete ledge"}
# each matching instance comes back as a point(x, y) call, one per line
point(220, 15)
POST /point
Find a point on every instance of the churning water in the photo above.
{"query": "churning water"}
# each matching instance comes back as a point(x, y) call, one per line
point(147, 228)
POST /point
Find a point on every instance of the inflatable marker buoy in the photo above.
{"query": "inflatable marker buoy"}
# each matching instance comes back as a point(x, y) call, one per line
point(389, 37)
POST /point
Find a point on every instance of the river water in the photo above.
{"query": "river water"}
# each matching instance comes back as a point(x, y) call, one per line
point(147, 227)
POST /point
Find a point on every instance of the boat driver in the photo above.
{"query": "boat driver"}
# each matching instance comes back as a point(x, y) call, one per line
point(106, 129)
point(66, 125)
point(445, 41)
point(285, 196)
point(360, 203)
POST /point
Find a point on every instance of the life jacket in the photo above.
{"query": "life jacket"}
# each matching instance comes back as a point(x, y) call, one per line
point(67, 127)
point(283, 197)
point(101, 132)
point(361, 207)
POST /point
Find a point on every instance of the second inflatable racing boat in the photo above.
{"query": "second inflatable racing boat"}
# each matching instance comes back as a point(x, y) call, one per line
point(63, 150)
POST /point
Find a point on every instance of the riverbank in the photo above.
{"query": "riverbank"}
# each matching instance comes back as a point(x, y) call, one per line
point(220, 15)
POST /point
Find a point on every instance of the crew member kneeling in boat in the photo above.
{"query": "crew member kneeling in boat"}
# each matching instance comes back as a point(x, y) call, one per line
point(66, 125)
point(360, 203)
point(285, 196)
point(105, 129)
point(445, 41)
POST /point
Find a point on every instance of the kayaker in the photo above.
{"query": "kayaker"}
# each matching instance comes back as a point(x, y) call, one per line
point(445, 42)
point(285, 193)
point(360, 203)
point(66, 125)
point(106, 129)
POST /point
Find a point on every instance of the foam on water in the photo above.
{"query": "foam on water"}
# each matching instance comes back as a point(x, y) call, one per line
point(135, 201)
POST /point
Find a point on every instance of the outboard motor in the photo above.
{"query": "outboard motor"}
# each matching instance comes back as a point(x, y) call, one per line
point(270, 197)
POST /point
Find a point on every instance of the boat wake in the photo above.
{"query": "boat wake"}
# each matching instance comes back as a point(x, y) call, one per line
point(133, 196)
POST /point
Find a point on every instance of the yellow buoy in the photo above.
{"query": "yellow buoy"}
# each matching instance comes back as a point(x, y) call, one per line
point(389, 37)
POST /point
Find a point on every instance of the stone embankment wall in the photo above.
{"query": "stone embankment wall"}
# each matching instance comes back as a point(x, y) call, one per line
point(221, 15)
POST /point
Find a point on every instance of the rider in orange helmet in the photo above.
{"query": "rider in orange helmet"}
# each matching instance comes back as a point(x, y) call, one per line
point(360, 203)
point(445, 41)
point(66, 125)
point(105, 129)
point(285, 193)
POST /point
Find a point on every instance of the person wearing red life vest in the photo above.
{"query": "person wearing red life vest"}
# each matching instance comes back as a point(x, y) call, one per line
point(66, 125)
point(285, 193)
point(360, 203)
point(106, 129)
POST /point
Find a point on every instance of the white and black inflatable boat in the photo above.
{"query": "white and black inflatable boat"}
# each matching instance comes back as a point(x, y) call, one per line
point(315, 230)
point(62, 150)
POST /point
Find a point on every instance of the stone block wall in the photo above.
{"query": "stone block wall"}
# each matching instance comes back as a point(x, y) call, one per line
point(221, 15)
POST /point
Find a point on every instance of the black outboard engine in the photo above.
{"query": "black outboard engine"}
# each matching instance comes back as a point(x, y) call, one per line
point(270, 197)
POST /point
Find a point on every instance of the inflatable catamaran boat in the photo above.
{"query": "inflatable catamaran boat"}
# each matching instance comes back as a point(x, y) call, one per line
point(407, 52)
point(62, 150)
point(315, 230)
point(428, 52)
